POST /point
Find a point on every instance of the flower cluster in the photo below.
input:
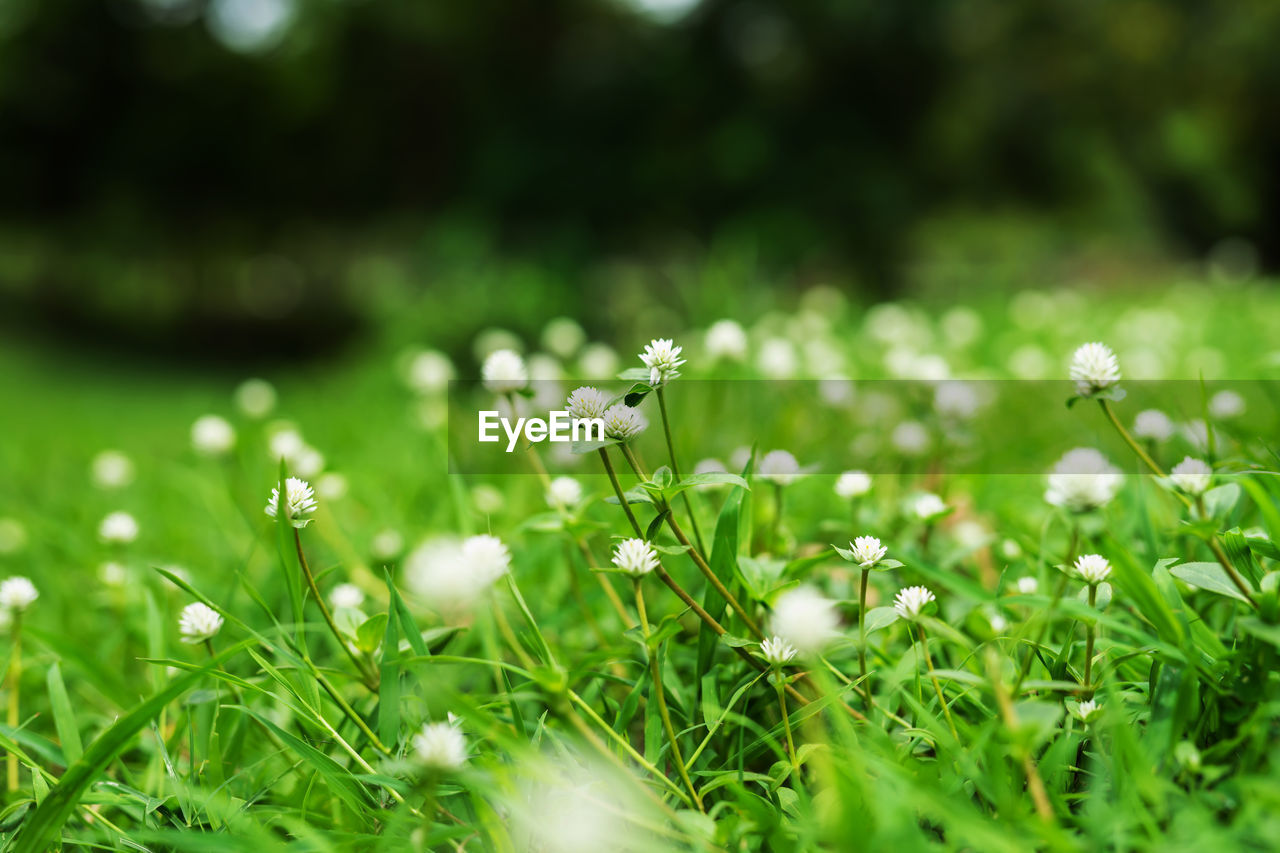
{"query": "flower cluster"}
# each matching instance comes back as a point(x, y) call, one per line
point(1094, 368)
point(662, 357)
point(635, 557)
point(299, 502)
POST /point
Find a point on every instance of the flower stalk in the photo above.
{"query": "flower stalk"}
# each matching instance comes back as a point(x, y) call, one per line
point(367, 676)
point(15, 691)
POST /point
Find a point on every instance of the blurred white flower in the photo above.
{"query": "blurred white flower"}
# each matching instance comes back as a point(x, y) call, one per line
point(709, 466)
point(1094, 369)
point(779, 466)
point(1092, 568)
point(212, 435)
point(331, 486)
point(1028, 585)
point(450, 574)
point(199, 622)
point(1087, 710)
point(1010, 549)
point(487, 499)
point(489, 341)
point(1083, 480)
point(867, 551)
point(997, 622)
point(386, 544)
point(346, 595)
point(726, 339)
point(636, 557)
point(587, 403)
point(17, 593)
point(1226, 404)
point(112, 470)
point(1196, 433)
point(13, 536)
point(255, 398)
point(309, 462)
point(113, 574)
point(927, 506)
point(1153, 424)
point(777, 651)
point(440, 746)
point(956, 399)
point(805, 618)
point(299, 502)
point(971, 534)
point(1030, 362)
point(544, 368)
point(910, 602)
point(662, 357)
point(1193, 476)
point(430, 372)
point(486, 556)
point(910, 438)
point(623, 423)
point(563, 336)
point(118, 528)
point(777, 359)
point(285, 443)
point(961, 326)
point(853, 484)
point(598, 361)
point(564, 492)
point(504, 372)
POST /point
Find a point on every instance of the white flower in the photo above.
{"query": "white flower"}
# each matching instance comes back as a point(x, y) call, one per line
point(1010, 549)
point(911, 601)
point(1226, 404)
point(331, 486)
point(17, 593)
point(927, 506)
point(286, 443)
point(1196, 433)
point(867, 551)
point(1092, 568)
point(587, 403)
point(212, 435)
point(504, 372)
point(118, 527)
point(777, 359)
point(804, 618)
point(13, 536)
point(430, 371)
point(488, 499)
point(598, 361)
point(386, 544)
point(1028, 585)
point(309, 462)
point(299, 504)
point(1087, 710)
point(636, 557)
point(956, 399)
point(486, 556)
point(113, 574)
point(1153, 424)
point(198, 622)
point(623, 422)
point(346, 595)
point(1094, 369)
point(564, 492)
point(662, 357)
point(1191, 475)
point(112, 470)
point(997, 622)
point(1083, 480)
point(777, 651)
point(440, 746)
point(451, 575)
point(779, 466)
point(256, 398)
point(910, 438)
point(726, 339)
point(563, 336)
point(852, 484)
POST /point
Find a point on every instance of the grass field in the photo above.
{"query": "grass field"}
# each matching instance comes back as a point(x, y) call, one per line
point(448, 690)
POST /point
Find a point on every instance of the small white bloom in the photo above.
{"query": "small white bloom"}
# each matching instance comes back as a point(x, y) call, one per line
point(309, 462)
point(1093, 569)
point(300, 502)
point(1196, 433)
point(910, 438)
point(486, 556)
point(1226, 404)
point(488, 500)
point(777, 359)
point(853, 484)
point(997, 622)
point(564, 492)
point(777, 651)
point(1153, 425)
point(118, 528)
point(1094, 369)
point(563, 336)
point(440, 746)
point(956, 399)
point(13, 536)
point(1083, 480)
point(927, 506)
point(662, 357)
point(504, 372)
point(587, 403)
point(285, 443)
point(386, 544)
point(726, 340)
point(1010, 549)
point(212, 435)
point(17, 593)
point(331, 486)
point(346, 595)
point(623, 423)
point(113, 574)
point(256, 398)
point(805, 618)
point(199, 622)
point(598, 361)
point(910, 602)
point(1087, 710)
point(779, 466)
point(1193, 476)
point(430, 371)
point(867, 551)
point(1028, 585)
point(636, 557)
point(112, 470)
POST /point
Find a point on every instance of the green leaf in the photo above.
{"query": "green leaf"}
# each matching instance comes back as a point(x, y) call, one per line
point(736, 642)
point(339, 779)
point(1208, 576)
point(1219, 502)
point(880, 617)
point(63, 718)
point(662, 478)
point(712, 478)
point(389, 682)
point(370, 633)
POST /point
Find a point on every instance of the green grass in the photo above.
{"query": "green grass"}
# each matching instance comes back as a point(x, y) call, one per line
point(130, 739)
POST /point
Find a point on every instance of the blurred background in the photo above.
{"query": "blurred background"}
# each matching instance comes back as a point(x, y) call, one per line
point(231, 183)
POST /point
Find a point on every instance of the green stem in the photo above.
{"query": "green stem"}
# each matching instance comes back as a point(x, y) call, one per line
point(368, 677)
point(937, 688)
point(786, 721)
point(15, 690)
point(1090, 632)
point(617, 490)
point(675, 468)
point(655, 671)
point(862, 635)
